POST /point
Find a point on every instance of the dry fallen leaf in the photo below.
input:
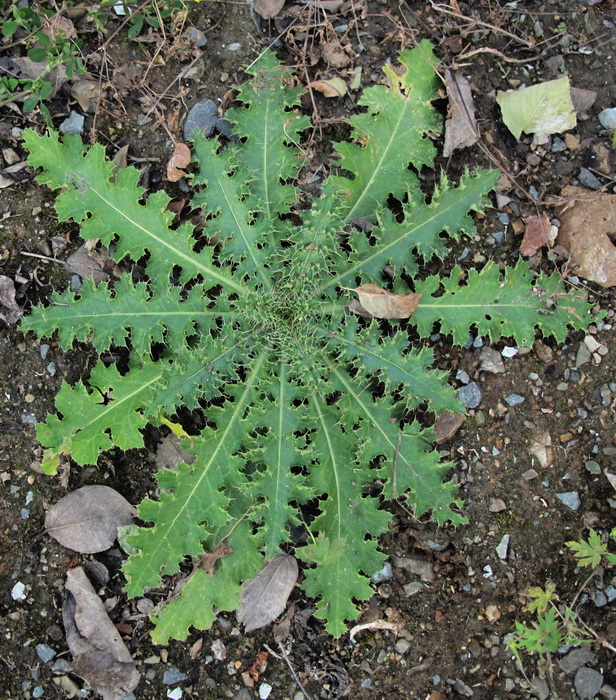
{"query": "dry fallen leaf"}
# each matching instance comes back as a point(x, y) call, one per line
point(9, 309)
point(268, 8)
point(265, 597)
point(34, 69)
point(88, 261)
point(536, 234)
point(100, 656)
point(87, 519)
point(587, 227)
point(380, 303)
point(207, 561)
point(582, 99)
point(336, 87)
point(87, 93)
point(461, 126)
point(179, 161)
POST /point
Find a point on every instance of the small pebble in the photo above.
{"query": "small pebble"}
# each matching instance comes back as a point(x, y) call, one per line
point(530, 474)
point(264, 691)
point(18, 592)
point(577, 658)
point(174, 694)
point(497, 505)
point(73, 124)
point(470, 395)
point(558, 145)
point(173, 675)
point(402, 646)
point(514, 399)
point(45, 652)
point(202, 116)
point(586, 178)
point(233, 46)
point(571, 499)
point(607, 118)
point(503, 547)
point(592, 467)
point(44, 349)
point(508, 351)
point(385, 574)
point(587, 683)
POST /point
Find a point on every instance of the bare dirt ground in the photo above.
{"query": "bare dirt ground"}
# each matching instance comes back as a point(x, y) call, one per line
point(453, 639)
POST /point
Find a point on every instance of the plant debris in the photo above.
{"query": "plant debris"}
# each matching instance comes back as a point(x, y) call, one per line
point(100, 656)
point(87, 520)
point(264, 597)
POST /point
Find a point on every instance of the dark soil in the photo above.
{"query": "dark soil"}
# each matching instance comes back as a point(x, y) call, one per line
point(452, 640)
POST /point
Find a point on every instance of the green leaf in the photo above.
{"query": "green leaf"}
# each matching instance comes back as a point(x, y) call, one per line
point(193, 498)
point(30, 103)
point(391, 134)
point(588, 552)
point(513, 303)
point(107, 204)
point(37, 55)
point(9, 27)
point(112, 412)
point(545, 108)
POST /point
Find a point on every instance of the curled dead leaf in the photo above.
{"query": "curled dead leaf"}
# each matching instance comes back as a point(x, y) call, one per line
point(380, 303)
point(179, 161)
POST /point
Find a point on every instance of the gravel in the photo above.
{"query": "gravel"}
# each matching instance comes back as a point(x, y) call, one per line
point(470, 395)
point(587, 683)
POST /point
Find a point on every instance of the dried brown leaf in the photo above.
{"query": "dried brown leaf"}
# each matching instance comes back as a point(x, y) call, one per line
point(582, 99)
point(100, 656)
point(265, 597)
point(536, 234)
point(461, 126)
point(179, 161)
point(588, 225)
point(10, 311)
point(87, 520)
point(89, 261)
point(380, 303)
point(207, 560)
point(336, 87)
point(268, 8)
point(87, 93)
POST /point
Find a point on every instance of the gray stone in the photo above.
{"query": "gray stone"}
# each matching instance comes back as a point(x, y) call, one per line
point(202, 116)
point(411, 589)
point(402, 646)
point(587, 683)
point(514, 399)
point(540, 688)
point(385, 574)
point(583, 355)
point(607, 118)
point(73, 124)
point(173, 675)
point(470, 395)
point(571, 499)
point(417, 566)
point(558, 145)
point(45, 652)
point(586, 178)
point(577, 658)
point(491, 361)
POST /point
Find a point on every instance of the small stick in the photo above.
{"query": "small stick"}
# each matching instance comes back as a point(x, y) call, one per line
point(43, 257)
